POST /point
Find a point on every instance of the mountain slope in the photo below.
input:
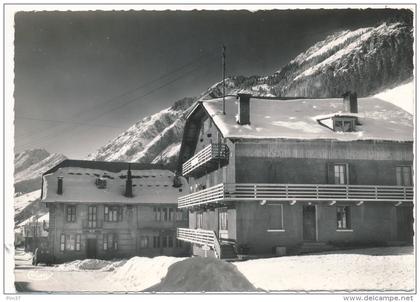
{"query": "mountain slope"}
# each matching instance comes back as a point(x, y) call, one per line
point(367, 60)
point(146, 140)
point(29, 165)
point(401, 96)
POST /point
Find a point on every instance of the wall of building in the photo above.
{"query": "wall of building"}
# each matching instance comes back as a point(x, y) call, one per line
point(370, 223)
point(137, 221)
point(307, 162)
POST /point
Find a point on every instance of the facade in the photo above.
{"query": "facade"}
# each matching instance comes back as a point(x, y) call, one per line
point(293, 175)
point(111, 210)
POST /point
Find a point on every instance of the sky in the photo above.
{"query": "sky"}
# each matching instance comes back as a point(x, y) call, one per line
point(82, 78)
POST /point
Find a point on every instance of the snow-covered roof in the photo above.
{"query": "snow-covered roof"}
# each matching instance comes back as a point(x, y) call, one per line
point(149, 186)
point(298, 119)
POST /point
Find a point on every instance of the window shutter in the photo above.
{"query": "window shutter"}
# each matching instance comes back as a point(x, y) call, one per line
point(350, 174)
point(120, 214)
point(330, 173)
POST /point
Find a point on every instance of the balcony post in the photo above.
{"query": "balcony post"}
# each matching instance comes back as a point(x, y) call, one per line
point(255, 191)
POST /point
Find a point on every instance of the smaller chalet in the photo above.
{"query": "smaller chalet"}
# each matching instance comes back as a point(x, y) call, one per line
point(113, 210)
point(294, 175)
point(34, 232)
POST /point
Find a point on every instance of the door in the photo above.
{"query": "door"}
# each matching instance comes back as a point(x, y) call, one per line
point(309, 223)
point(223, 224)
point(91, 249)
point(405, 224)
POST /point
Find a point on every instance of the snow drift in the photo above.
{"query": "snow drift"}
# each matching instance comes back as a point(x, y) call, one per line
point(140, 273)
point(203, 274)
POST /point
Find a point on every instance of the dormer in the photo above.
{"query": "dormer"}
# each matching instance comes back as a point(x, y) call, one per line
point(344, 123)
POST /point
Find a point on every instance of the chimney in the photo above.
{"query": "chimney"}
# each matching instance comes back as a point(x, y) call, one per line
point(129, 184)
point(243, 109)
point(350, 102)
point(60, 185)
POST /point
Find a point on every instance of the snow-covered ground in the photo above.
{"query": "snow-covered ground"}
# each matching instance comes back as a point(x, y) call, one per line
point(378, 269)
point(401, 96)
point(90, 265)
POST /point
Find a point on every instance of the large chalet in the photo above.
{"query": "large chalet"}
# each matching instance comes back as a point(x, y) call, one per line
point(113, 210)
point(290, 175)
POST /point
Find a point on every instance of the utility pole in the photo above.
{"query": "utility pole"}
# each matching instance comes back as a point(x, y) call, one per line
point(224, 75)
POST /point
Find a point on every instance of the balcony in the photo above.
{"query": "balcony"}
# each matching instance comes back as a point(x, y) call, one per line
point(198, 236)
point(296, 192)
point(91, 225)
point(207, 159)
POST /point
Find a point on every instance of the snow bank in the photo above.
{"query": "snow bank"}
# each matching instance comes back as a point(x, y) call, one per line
point(401, 96)
point(90, 264)
point(204, 274)
point(140, 273)
point(367, 269)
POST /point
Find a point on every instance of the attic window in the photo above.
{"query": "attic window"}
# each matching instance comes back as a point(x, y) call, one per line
point(344, 124)
point(100, 183)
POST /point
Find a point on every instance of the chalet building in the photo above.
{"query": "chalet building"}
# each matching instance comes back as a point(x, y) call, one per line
point(294, 175)
point(113, 210)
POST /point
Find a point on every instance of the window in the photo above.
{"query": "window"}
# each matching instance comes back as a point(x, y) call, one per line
point(78, 239)
point(92, 217)
point(156, 214)
point(165, 241)
point(113, 214)
point(340, 174)
point(343, 218)
point(62, 242)
point(156, 242)
point(223, 219)
point(170, 241)
point(144, 241)
point(110, 242)
point(70, 242)
point(403, 175)
point(171, 214)
point(199, 221)
point(275, 219)
point(165, 214)
point(71, 214)
point(344, 124)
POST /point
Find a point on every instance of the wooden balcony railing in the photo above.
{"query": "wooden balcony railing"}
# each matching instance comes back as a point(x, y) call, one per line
point(296, 192)
point(199, 236)
point(211, 153)
point(212, 194)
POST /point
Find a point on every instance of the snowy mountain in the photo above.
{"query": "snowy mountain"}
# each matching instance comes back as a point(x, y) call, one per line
point(154, 139)
point(401, 96)
point(29, 166)
point(367, 60)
